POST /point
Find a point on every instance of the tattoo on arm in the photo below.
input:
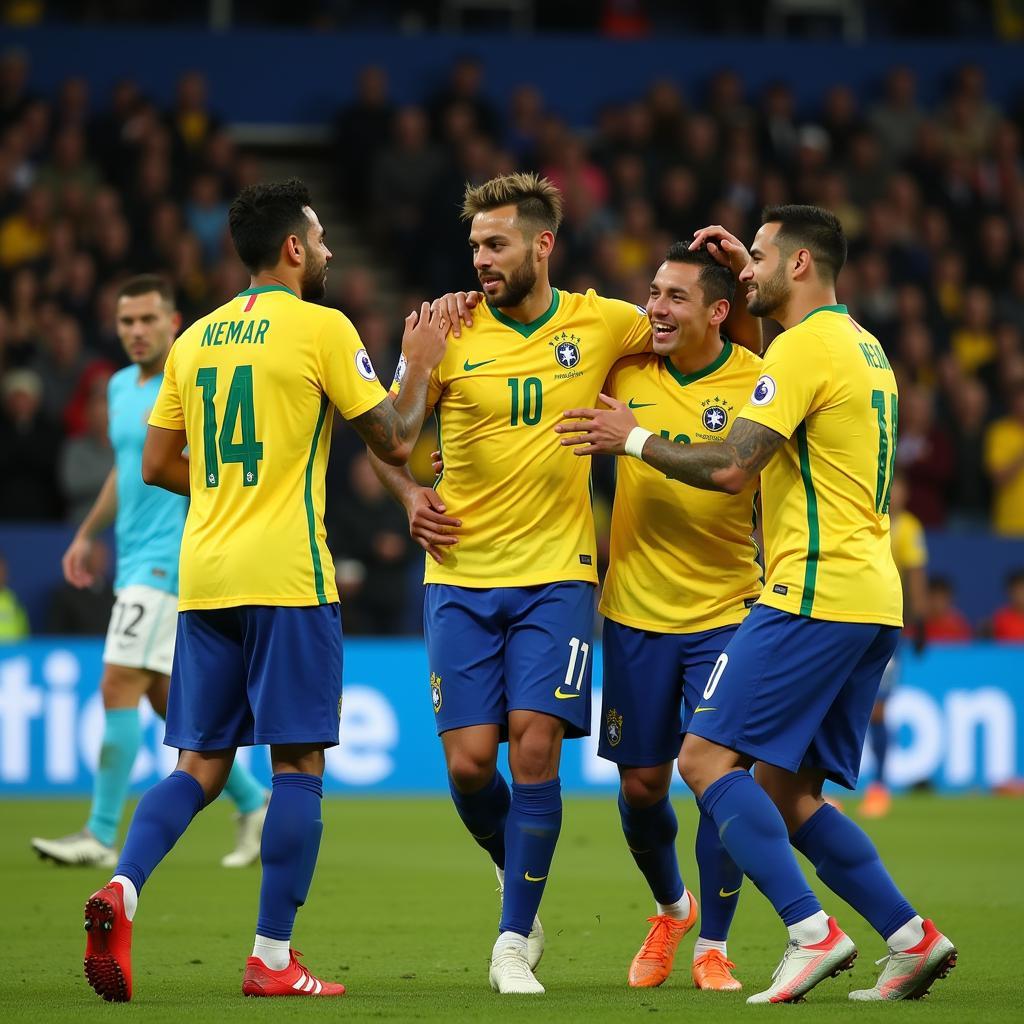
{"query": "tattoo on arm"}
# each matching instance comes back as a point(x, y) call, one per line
point(382, 428)
point(727, 466)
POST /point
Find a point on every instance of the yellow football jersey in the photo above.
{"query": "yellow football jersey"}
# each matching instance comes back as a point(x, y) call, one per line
point(828, 388)
point(909, 549)
point(682, 559)
point(254, 386)
point(523, 499)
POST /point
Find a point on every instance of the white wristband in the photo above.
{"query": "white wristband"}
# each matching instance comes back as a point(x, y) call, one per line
point(636, 441)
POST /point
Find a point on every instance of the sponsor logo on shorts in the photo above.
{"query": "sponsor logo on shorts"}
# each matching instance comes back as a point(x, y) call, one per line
point(566, 696)
point(435, 691)
point(613, 727)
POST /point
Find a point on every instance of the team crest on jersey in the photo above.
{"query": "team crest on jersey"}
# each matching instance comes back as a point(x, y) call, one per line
point(435, 691)
point(764, 390)
point(715, 413)
point(567, 350)
point(364, 366)
point(613, 727)
point(714, 418)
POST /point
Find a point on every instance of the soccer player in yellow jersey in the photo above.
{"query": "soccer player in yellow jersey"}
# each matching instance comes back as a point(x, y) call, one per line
point(910, 553)
point(793, 689)
point(251, 389)
point(682, 574)
point(509, 608)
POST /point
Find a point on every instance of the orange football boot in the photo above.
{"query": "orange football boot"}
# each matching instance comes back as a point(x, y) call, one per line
point(294, 980)
point(713, 972)
point(653, 963)
point(108, 945)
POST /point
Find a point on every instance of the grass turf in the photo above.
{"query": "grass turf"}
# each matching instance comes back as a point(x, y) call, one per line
point(403, 910)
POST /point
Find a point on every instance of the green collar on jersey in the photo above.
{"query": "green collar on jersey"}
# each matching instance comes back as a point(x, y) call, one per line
point(827, 309)
point(682, 379)
point(534, 325)
point(267, 288)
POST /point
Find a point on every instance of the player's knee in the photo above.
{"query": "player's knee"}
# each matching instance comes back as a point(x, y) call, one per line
point(120, 688)
point(469, 773)
point(641, 789)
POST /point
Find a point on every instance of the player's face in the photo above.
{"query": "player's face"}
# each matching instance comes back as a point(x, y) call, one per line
point(765, 274)
point(676, 308)
point(317, 256)
point(502, 257)
point(146, 327)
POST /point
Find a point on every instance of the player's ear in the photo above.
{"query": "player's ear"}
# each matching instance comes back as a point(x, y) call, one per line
point(801, 262)
point(293, 250)
point(719, 311)
point(543, 244)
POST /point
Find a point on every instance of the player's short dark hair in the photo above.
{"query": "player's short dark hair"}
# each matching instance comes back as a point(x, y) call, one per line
point(145, 284)
point(716, 281)
point(263, 216)
point(813, 228)
point(537, 201)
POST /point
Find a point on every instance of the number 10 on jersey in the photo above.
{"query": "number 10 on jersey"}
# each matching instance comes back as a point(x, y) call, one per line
point(239, 408)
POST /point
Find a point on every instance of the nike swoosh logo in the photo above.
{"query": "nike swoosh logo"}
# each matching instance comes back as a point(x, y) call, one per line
point(566, 696)
point(530, 877)
point(726, 895)
point(468, 366)
point(634, 404)
point(697, 711)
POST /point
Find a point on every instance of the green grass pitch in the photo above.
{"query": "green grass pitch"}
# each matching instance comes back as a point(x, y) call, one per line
point(403, 910)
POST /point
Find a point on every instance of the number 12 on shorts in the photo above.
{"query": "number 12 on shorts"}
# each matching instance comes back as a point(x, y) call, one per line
point(578, 652)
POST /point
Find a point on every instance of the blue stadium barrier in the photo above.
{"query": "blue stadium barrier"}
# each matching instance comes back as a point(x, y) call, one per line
point(571, 71)
point(958, 718)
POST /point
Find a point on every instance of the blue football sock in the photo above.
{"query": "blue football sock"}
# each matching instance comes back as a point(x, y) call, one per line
point(848, 863)
point(531, 832)
point(121, 738)
point(878, 732)
point(484, 814)
point(753, 832)
point(291, 842)
point(163, 814)
point(243, 789)
point(651, 837)
point(720, 881)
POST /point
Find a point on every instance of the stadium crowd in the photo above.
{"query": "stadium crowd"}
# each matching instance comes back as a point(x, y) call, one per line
point(95, 188)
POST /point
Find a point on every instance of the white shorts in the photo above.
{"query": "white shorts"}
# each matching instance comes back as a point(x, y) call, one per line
point(142, 628)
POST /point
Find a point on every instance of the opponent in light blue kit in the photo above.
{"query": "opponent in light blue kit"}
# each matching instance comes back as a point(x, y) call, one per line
point(139, 647)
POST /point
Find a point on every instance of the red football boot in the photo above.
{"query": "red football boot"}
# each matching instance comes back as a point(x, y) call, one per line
point(108, 945)
point(294, 980)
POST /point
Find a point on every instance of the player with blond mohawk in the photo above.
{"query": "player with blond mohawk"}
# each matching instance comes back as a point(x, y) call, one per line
point(509, 607)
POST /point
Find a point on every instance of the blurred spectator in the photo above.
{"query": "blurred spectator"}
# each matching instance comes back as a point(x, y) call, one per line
point(463, 94)
point(971, 493)
point(944, 622)
point(973, 339)
point(207, 216)
point(1004, 458)
point(369, 535)
point(361, 129)
point(29, 443)
point(14, 95)
point(13, 618)
point(84, 611)
point(86, 460)
point(192, 123)
point(24, 234)
point(897, 119)
point(1008, 621)
point(925, 455)
point(60, 362)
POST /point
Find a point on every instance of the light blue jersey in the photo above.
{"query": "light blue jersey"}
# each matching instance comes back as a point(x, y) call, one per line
point(150, 520)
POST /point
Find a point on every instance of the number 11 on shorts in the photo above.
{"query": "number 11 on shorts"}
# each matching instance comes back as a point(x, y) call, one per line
point(579, 652)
